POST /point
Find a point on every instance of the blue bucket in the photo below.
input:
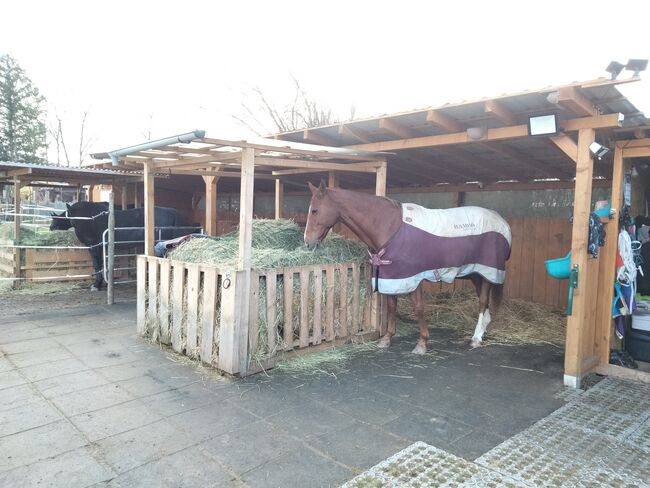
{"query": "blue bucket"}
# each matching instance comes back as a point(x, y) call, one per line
point(559, 268)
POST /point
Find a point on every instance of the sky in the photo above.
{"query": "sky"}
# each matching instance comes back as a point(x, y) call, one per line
point(159, 68)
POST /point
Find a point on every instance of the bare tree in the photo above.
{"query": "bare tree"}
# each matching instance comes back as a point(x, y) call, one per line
point(302, 112)
point(56, 133)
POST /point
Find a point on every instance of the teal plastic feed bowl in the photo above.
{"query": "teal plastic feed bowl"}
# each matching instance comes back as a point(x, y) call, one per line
point(559, 268)
point(603, 212)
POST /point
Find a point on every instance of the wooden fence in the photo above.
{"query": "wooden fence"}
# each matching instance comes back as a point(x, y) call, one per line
point(192, 308)
point(53, 264)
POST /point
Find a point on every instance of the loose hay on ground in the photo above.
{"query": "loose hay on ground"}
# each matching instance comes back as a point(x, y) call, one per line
point(516, 322)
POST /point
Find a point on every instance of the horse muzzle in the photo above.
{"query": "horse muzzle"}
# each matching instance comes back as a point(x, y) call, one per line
point(313, 245)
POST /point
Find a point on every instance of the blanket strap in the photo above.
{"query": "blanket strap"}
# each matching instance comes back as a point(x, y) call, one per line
point(376, 261)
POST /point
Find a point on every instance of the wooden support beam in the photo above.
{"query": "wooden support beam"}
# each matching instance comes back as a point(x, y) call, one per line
point(574, 359)
point(444, 121)
point(574, 99)
point(608, 266)
point(362, 167)
point(354, 133)
point(596, 122)
point(458, 199)
point(211, 204)
point(500, 133)
point(19, 172)
point(124, 195)
point(500, 112)
point(566, 144)
point(640, 133)
point(246, 209)
point(628, 143)
point(149, 204)
point(380, 180)
point(279, 198)
point(285, 172)
point(636, 152)
point(317, 138)
point(396, 129)
point(332, 180)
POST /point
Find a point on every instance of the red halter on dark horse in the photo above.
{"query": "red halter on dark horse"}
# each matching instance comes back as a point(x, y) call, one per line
point(408, 244)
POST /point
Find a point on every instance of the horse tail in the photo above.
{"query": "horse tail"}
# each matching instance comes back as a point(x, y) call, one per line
point(496, 297)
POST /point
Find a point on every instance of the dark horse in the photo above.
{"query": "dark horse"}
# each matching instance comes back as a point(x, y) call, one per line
point(408, 244)
point(90, 220)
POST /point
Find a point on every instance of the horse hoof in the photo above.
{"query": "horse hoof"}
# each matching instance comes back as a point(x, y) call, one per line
point(383, 343)
point(474, 343)
point(419, 350)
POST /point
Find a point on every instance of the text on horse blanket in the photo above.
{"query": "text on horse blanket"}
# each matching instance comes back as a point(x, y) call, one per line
point(442, 245)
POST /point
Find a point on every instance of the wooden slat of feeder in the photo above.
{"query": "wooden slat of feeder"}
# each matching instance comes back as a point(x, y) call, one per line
point(152, 288)
point(329, 326)
point(193, 282)
point(208, 316)
point(177, 308)
point(304, 308)
point(355, 299)
point(254, 316)
point(288, 308)
point(165, 270)
point(271, 310)
point(318, 299)
point(141, 294)
point(343, 303)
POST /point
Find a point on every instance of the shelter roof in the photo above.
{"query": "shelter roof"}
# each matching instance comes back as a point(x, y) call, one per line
point(433, 145)
point(56, 174)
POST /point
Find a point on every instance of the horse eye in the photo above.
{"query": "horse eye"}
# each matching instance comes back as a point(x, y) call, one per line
point(314, 211)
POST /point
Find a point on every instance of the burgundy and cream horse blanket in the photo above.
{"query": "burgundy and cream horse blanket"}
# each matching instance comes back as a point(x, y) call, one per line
point(442, 245)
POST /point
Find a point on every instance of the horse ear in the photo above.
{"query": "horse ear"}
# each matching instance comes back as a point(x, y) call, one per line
point(312, 188)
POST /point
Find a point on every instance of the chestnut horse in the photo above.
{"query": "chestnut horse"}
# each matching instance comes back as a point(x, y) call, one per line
point(471, 243)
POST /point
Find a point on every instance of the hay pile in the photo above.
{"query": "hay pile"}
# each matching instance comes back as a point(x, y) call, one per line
point(517, 321)
point(40, 236)
point(276, 244)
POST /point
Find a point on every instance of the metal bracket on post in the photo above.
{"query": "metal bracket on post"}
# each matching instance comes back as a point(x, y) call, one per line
point(573, 284)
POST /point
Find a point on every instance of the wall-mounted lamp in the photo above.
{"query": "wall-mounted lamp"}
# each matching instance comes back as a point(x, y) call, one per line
point(598, 150)
point(637, 65)
point(475, 133)
point(542, 125)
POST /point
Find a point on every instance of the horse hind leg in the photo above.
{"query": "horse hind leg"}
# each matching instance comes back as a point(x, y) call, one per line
point(391, 302)
point(418, 306)
point(483, 291)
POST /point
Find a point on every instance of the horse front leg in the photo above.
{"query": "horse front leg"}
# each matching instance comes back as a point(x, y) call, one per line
point(391, 302)
point(483, 291)
point(418, 305)
point(96, 254)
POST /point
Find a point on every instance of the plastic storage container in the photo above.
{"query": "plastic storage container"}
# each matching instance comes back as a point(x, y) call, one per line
point(641, 320)
point(637, 343)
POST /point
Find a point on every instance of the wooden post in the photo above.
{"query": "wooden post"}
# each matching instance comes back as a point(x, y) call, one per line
point(211, 204)
point(123, 193)
point(235, 300)
point(91, 190)
point(136, 196)
point(608, 256)
point(149, 204)
point(17, 210)
point(111, 247)
point(576, 322)
point(78, 192)
point(458, 199)
point(377, 300)
point(279, 198)
point(17, 218)
point(333, 182)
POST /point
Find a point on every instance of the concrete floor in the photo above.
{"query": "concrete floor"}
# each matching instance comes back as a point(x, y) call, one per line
point(85, 402)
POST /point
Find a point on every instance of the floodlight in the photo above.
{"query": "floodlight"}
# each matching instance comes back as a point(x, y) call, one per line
point(614, 68)
point(598, 150)
point(636, 65)
point(542, 125)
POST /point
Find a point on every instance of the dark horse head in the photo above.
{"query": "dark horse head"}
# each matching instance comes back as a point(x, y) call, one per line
point(323, 214)
point(60, 221)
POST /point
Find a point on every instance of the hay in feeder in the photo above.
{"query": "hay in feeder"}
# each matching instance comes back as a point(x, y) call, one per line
point(40, 236)
point(517, 321)
point(278, 244)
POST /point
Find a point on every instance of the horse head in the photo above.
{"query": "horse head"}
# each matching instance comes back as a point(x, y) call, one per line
point(323, 214)
point(60, 221)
